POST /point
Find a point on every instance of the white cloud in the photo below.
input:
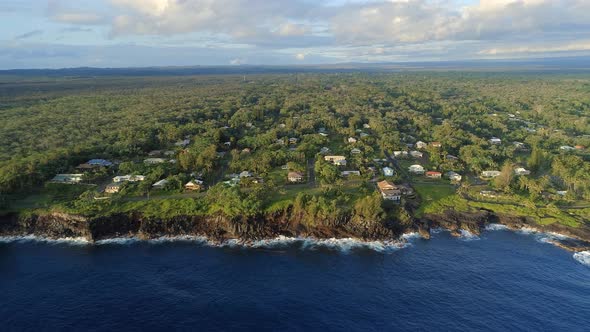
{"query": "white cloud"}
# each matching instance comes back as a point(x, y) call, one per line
point(300, 56)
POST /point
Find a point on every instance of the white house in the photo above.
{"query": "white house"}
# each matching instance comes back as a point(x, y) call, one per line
point(160, 184)
point(349, 173)
point(454, 176)
point(128, 178)
point(388, 171)
point(336, 160)
point(245, 174)
point(495, 140)
point(154, 161)
point(421, 145)
point(490, 174)
point(521, 171)
point(400, 153)
point(351, 140)
point(355, 151)
point(416, 154)
point(183, 143)
point(566, 148)
point(366, 126)
point(416, 169)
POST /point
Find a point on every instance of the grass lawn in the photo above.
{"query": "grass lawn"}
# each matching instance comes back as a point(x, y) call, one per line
point(432, 192)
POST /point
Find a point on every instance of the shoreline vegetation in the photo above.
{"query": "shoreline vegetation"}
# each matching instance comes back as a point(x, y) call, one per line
point(369, 156)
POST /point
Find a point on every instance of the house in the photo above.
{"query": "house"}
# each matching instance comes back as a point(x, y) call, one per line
point(85, 167)
point(451, 157)
point(433, 174)
point(323, 134)
point(183, 143)
point(416, 154)
point(282, 125)
point(336, 160)
point(228, 143)
point(155, 153)
point(349, 173)
point(400, 153)
point(388, 171)
point(351, 140)
point(160, 184)
point(280, 141)
point(495, 141)
point(293, 140)
point(355, 151)
point(295, 177)
point(324, 150)
point(245, 174)
point(566, 148)
point(68, 178)
point(519, 145)
point(113, 188)
point(246, 150)
point(128, 178)
point(421, 145)
point(154, 161)
point(389, 191)
point(416, 169)
point(561, 193)
point(366, 126)
point(436, 144)
point(521, 171)
point(194, 185)
point(363, 135)
point(99, 163)
point(454, 176)
point(490, 174)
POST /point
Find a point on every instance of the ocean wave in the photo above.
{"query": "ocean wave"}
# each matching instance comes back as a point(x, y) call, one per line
point(437, 230)
point(118, 241)
point(467, 235)
point(33, 238)
point(527, 230)
point(583, 257)
point(496, 227)
point(411, 236)
point(182, 238)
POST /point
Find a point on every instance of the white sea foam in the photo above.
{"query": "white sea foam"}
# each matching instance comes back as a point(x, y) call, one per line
point(182, 238)
point(346, 245)
point(496, 227)
point(118, 241)
point(467, 235)
point(437, 230)
point(583, 257)
point(411, 236)
point(34, 238)
point(527, 230)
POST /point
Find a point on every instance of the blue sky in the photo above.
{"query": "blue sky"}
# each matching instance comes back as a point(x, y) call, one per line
point(121, 33)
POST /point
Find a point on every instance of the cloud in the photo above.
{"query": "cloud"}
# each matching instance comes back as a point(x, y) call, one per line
point(300, 56)
point(29, 34)
point(515, 50)
point(83, 18)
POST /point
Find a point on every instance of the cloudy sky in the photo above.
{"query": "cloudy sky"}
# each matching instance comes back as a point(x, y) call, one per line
point(121, 33)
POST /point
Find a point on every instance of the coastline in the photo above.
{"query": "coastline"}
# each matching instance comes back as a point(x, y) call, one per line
point(277, 230)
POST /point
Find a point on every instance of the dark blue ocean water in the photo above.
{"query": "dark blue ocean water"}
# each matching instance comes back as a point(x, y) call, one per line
point(504, 281)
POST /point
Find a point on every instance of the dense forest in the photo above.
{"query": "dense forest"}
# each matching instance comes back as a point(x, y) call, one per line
point(270, 124)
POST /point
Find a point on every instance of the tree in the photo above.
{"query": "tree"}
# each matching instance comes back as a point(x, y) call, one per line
point(504, 180)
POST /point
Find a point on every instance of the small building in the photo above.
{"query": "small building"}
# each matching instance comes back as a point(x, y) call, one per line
point(436, 144)
point(246, 150)
point(323, 134)
point(160, 184)
point(113, 188)
point(490, 174)
point(68, 178)
point(246, 174)
point(389, 191)
point(451, 157)
point(366, 126)
point(355, 151)
point(336, 160)
point(454, 176)
point(566, 148)
point(293, 140)
point(352, 140)
point(350, 173)
point(495, 141)
point(279, 141)
point(99, 163)
point(154, 161)
point(433, 175)
point(416, 169)
point(521, 171)
point(421, 145)
point(154, 153)
point(85, 167)
point(388, 171)
point(295, 177)
point(183, 143)
point(519, 145)
point(194, 185)
point(325, 150)
point(128, 178)
point(362, 135)
point(403, 154)
point(416, 154)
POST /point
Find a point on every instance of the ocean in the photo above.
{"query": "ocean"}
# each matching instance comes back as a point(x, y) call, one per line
point(500, 281)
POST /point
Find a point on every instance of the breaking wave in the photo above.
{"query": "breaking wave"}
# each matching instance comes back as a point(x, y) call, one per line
point(33, 238)
point(467, 235)
point(496, 227)
point(583, 257)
